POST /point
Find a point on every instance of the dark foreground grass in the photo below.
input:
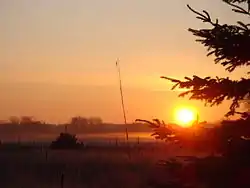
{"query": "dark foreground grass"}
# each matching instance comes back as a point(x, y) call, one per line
point(147, 166)
point(111, 167)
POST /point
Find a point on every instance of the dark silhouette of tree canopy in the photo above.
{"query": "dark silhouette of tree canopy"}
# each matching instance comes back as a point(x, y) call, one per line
point(65, 141)
point(14, 120)
point(79, 121)
point(26, 120)
point(95, 120)
point(230, 44)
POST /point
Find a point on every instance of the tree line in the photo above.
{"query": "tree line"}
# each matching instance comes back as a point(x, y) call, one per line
point(77, 120)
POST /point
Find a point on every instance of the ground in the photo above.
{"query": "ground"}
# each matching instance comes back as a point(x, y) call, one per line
point(94, 167)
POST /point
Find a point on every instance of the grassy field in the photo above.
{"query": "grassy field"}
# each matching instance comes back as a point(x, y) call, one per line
point(93, 167)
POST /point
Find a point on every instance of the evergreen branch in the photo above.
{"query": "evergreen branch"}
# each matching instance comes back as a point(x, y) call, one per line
point(214, 91)
point(151, 124)
point(228, 43)
point(204, 17)
point(237, 8)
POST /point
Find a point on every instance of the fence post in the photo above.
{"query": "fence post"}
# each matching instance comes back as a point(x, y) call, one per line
point(62, 180)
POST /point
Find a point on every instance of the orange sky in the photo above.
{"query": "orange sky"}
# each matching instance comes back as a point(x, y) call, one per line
point(57, 58)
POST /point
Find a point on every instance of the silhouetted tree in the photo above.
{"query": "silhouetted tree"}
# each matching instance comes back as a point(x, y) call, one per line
point(82, 121)
point(230, 45)
point(95, 120)
point(79, 121)
point(26, 120)
point(14, 120)
point(65, 141)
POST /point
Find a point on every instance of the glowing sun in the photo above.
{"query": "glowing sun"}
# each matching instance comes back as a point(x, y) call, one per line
point(185, 117)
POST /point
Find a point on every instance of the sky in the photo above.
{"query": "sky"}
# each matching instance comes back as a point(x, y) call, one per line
point(57, 58)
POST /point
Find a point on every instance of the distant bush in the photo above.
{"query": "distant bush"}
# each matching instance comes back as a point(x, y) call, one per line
point(66, 141)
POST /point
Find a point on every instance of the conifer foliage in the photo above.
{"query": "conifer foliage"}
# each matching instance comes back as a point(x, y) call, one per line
point(230, 46)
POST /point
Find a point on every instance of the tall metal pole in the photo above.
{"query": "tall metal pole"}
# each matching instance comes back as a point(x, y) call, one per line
point(122, 99)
